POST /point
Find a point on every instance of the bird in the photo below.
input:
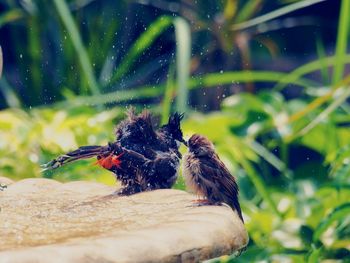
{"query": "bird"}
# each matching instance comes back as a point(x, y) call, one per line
point(207, 176)
point(137, 133)
point(141, 158)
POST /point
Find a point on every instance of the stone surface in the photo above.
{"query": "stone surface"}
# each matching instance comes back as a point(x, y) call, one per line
point(5, 181)
point(43, 220)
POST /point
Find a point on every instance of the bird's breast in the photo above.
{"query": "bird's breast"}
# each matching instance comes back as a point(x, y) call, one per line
point(191, 172)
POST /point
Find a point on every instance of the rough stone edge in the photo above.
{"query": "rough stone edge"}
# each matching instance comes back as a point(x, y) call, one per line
point(79, 252)
point(184, 256)
point(5, 181)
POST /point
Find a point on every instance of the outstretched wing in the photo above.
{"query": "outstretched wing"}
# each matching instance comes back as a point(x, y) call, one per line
point(83, 152)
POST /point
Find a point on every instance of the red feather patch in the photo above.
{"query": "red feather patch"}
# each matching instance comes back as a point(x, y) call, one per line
point(110, 161)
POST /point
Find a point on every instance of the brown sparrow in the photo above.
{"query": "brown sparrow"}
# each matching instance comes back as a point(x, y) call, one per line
point(206, 175)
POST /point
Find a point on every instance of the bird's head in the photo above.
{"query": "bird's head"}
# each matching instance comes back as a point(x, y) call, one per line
point(173, 127)
point(136, 128)
point(200, 145)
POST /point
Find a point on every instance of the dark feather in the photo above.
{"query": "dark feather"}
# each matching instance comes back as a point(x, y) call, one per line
point(144, 159)
point(83, 152)
point(136, 129)
point(225, 188)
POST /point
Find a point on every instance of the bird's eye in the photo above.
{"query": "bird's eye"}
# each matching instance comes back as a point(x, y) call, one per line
point(200, 151)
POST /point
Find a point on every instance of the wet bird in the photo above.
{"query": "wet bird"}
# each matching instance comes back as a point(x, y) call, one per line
point(207, 176)
point(137, 133)
point(142, 158)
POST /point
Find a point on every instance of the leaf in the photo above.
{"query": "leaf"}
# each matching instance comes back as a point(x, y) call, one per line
point(140, 45)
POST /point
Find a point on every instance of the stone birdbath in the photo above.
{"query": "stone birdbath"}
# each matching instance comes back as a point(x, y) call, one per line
point(43, 220)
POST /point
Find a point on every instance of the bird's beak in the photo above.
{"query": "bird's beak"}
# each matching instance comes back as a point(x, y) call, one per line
point(184, 142)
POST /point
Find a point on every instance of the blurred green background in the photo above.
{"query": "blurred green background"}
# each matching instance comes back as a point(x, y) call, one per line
point(266, 81)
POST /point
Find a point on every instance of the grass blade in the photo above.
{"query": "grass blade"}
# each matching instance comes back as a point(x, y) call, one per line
point(323, 115)
point(319, 101)
point(213, 79)
point(183, 56)
point(9, 94)
point(34, 47)
point(260, 185)
point(73, 32)
point(314, 255)
point(321, 53)
point(268, 156)
point(338, 213)
point(293, 76)
point(274, 14)
point(142, 43)
point(11, 16)
point(144, 72)
point(1, 62)
point(314, 105)
point(144, 92)
point(168, 95)
point(252, 174)
point(247, 10)
point(342, 40)
point(208, 80)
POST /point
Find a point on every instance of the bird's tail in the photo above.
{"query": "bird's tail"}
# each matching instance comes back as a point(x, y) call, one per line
point(83, 152)
point(235, 205)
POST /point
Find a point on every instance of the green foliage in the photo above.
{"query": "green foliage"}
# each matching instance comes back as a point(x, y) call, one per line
point(35, 137)
point(64, 13)
point(292, 211)
point(272, 15)
point(342, 39)
point(300, 213)
point(291, 156)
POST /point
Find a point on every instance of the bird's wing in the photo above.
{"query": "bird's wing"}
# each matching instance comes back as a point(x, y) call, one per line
point(83, 152)
point(214, 170)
